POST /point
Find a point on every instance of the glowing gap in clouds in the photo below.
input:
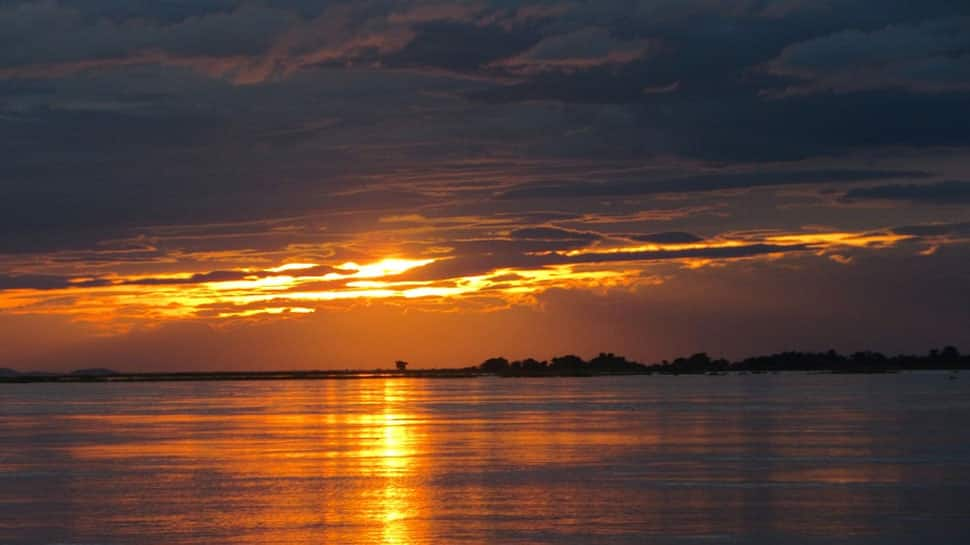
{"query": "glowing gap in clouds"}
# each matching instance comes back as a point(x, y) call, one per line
point(384, 267)
point(292, 267)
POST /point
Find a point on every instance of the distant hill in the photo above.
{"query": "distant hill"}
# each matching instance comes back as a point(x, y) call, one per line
point(95, 372)
point(8, 372)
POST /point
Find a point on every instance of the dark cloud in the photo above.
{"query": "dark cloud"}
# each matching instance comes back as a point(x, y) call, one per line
point(730, 252)
point(461, 47)
point(56, 282)
point(722, 103)
point(214, 276)
point(170, 11)
point(701, 183)
point(942, 193)
point(927, 56)
point(509, 247)
point(934, 230)
point(671, 237)
point(110, 37)
point(551, 233)
point(46, 282)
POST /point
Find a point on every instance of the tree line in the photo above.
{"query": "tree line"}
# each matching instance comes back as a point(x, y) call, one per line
point(606, 363)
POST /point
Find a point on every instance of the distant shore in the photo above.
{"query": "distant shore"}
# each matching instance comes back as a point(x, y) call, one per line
point(75, 377)
point(605, 364)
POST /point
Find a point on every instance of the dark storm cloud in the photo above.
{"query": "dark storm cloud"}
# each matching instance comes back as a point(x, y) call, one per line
point(702, 183)
point(942, 193)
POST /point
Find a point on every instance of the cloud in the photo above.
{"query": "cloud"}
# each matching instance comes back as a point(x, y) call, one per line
point(934, 229)
point(950, 192)
point(460, 47)
point(57, 282)
point(729, 252)
point(573, 51)
point(242, 42)
point(170, 149)
point(46, 282)
point(707, 97)
point(552, 233)
point(56, 39)
point(927, 57)
point(703, 183)
point(484, 263)
point(214, 276)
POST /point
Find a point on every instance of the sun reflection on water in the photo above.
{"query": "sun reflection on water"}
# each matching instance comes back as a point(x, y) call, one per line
point(397, 456)
point(416, 461)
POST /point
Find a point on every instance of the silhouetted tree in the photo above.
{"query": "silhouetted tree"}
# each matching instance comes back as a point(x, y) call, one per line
point(611, 363)
point(529, 366)
point(950, 353)
point(494, 365)
point(568, 363)
point(533, 364)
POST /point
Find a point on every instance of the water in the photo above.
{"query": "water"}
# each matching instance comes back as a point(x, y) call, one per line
point(823, 459)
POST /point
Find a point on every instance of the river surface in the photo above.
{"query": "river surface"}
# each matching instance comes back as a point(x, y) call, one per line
point(772, 459)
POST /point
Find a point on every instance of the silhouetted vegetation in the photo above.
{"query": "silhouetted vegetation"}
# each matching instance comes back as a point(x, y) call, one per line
point(607, 363)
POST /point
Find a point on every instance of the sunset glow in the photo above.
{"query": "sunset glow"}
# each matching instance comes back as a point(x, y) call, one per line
point(292, 288)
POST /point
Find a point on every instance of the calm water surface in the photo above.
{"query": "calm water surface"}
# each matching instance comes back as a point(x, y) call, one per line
point(878, 459)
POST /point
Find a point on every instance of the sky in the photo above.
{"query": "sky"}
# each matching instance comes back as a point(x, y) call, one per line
point(223, 184)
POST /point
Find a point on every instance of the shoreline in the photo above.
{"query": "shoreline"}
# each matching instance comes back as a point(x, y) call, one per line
point(229, 376)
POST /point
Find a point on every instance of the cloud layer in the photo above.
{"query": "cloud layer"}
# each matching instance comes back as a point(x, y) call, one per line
point(218, 164)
